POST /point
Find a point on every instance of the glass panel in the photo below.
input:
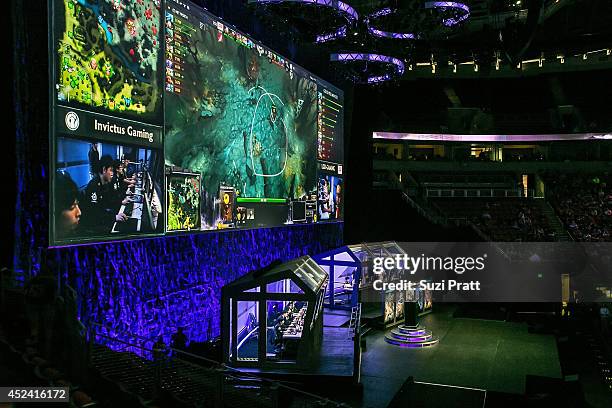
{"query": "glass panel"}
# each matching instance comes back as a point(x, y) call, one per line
point(285, 325)
point(393, 248)
point(343, 284)
point(325, 268)
point(359, 252)
point(256, 289)
point(317, 310)
point(399, 307)
point(389, 316)
point(274, 339)
point(343, 257)
point(247, 327)
point(327, 289)
point(311, 274)
point(283, 286)
point(231, 337)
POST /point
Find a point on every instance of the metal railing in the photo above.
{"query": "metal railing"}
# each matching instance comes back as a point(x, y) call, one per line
point(355, 322)
point(433, 215)
point(556, 222)
point(145, 370)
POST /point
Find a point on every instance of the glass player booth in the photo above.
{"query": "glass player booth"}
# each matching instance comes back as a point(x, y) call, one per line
point(274, 316)
point(344, 270)
point(389, 305)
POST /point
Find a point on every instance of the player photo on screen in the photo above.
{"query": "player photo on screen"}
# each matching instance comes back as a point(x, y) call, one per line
point(103, 191)
point(330, 198)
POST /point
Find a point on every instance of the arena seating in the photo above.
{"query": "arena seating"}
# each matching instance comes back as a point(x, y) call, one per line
point(584, 203)
point(509, 219)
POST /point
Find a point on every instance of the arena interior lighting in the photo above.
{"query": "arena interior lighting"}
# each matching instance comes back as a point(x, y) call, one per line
point(386, 34)
point(460, 11)
point(396, 63)
point(343, 9)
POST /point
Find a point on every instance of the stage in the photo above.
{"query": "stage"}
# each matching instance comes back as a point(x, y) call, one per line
point(334, 365)
point(483, 354)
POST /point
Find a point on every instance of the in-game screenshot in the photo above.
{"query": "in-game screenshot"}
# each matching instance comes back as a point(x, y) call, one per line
point(183, 201)
point(241, 116)
point(109, 56)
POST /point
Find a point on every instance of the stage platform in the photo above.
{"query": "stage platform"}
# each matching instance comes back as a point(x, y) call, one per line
point(335, 363)
point(336, 318)
point(483, 354)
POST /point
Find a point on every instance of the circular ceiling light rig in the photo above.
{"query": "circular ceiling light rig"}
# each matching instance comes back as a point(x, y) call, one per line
point(386, 67)
point(387, 11)
point(340, 33)
point(341, 16)
point(452, 12)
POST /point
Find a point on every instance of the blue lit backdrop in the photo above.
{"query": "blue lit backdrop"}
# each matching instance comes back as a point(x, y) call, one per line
point(150, 287)
point(146, 287)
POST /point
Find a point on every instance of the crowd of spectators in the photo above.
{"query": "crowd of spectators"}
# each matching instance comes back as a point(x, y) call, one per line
point(514, 220)
point(584, 203)
point(526, 155)
point(502, 220)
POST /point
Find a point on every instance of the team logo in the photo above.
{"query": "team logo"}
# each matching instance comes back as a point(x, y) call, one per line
point(94, 197)
point(72, 121)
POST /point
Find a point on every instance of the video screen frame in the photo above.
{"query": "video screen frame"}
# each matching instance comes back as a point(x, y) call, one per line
point(54, 135)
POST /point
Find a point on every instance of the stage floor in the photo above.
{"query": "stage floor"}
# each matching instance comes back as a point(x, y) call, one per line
point(336, 318)
point(335, 360)
point(485, 354)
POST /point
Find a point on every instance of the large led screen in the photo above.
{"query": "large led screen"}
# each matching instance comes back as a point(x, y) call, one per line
point(167, 120)
point(244, 118)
